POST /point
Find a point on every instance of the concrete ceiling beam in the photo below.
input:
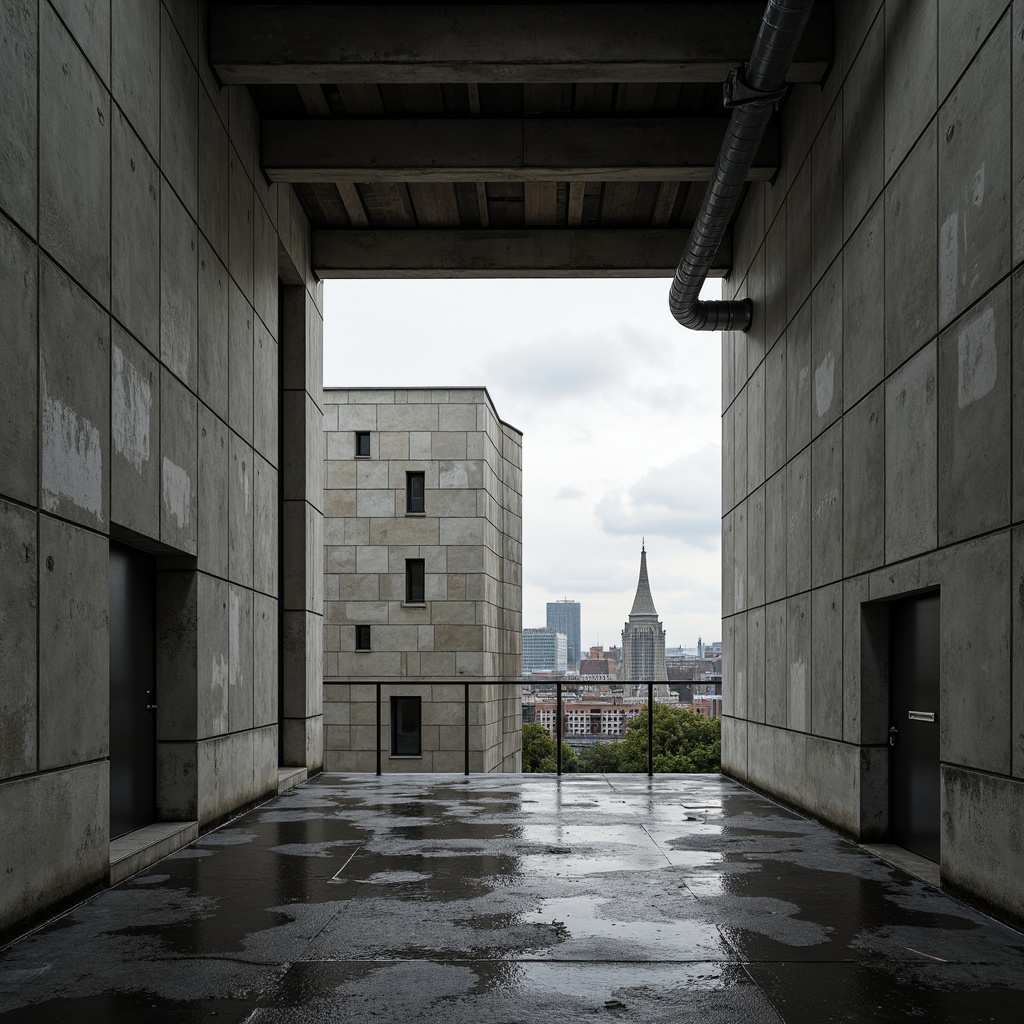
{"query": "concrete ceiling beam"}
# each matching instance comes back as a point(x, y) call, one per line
point(268, 44)
point(474, 149)
point(559, 252)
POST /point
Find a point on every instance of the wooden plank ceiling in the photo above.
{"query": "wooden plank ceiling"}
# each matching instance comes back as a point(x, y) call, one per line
point(493, 140)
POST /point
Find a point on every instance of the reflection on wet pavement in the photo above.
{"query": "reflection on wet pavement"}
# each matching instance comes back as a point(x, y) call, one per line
point(518, 898)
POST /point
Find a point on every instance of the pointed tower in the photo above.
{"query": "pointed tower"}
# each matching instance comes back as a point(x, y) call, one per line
point(643, 639)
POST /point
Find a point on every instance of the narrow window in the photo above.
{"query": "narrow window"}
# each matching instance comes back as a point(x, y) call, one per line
point(414, 492)
point(405, 727)
point(415, 582)
point(362, 444)
point(362, 638)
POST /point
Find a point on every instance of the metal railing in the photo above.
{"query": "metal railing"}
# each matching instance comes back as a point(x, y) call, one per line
point(558, 723)
point(465, 730)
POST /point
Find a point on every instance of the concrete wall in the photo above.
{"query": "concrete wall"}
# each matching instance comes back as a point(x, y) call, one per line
point(872, 430)
point(140, 254)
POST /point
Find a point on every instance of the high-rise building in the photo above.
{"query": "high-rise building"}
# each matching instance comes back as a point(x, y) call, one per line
point(543, 651)
point(564, 617)
point(643, 639)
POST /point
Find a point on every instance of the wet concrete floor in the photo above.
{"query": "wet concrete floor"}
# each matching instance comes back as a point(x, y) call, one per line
point(501, 899)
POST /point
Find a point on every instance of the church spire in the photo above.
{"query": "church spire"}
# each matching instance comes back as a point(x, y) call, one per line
point(643, 603)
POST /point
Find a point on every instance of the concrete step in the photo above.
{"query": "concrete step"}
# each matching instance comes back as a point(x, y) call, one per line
point(137, 850)
point(289, 777)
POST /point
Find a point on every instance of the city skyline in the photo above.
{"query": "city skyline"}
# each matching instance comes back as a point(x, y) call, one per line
point(576, 365)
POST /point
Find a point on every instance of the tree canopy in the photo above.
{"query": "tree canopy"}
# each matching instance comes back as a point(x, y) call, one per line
point(684, 741)
point(540, 753)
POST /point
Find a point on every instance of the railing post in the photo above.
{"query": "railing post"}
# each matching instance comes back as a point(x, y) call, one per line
point(650, 730)
point(466, 716)
point(558, 728)
point(378, 728)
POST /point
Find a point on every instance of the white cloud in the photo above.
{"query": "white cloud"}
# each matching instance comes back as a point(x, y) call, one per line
point(681, 500)
point(608, 389)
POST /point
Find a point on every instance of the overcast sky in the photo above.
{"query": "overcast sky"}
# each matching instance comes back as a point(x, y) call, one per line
point(620, 411)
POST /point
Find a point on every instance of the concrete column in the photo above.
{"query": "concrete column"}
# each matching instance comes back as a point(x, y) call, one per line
point(301, 712)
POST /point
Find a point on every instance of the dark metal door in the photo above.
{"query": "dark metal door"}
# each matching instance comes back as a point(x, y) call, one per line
point(132, 690)
point(914, 725)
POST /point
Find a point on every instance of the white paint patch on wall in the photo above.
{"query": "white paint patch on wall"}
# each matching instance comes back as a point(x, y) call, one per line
point(949, 263)
point(72, 458)
point(978, 189)
point(131, 404)
point(825, 502)
point(177, 491)
point(824, 384)
point(234, 630)
point(739, 587)
point(218, 684)
point(976, 358)
point(798, 696)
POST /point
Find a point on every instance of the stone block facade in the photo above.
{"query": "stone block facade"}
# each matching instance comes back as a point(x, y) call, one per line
point(871, 428)
point(463, 530)
point(495, 727)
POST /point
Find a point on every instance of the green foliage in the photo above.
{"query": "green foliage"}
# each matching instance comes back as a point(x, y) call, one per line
point(602, 759)
point(684, 741)
point(539, 751)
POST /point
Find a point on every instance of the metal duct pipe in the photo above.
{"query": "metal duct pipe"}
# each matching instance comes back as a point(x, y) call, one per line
point(752, 91)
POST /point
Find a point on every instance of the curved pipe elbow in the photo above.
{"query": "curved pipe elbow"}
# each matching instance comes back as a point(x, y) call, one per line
point(732, 315)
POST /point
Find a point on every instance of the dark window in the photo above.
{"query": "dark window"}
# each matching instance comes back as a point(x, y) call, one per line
point(414, 492)
point(362, 444)
point(362, 638)
point(405, 726)
point(415, 582)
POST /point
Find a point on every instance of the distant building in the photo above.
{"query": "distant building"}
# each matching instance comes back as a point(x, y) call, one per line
point(599, 662)
point(564, 617)
point(693, 669)
point(643, 638)
point(544, 650)
point(588, 720)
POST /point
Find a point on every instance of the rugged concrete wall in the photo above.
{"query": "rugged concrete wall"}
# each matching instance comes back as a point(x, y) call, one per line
point(140, 253)
point(872, 428)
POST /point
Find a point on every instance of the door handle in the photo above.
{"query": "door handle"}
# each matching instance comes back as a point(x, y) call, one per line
point(151, 707)
point(893, 731)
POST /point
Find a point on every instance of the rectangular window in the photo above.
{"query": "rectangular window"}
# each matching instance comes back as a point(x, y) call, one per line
point(405, 727)
point(415, 581)
point(414, 492)
point(362, 444)
point(362, 638)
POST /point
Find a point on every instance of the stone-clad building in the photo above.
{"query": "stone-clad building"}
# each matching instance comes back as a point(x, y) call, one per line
point(643, 638)
point(422, 574)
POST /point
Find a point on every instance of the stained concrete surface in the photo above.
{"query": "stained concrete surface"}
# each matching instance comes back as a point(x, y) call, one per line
point(517, 898)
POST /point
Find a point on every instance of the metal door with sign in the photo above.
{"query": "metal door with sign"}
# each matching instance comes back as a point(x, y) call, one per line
point(132, 690)
point(914, 775)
